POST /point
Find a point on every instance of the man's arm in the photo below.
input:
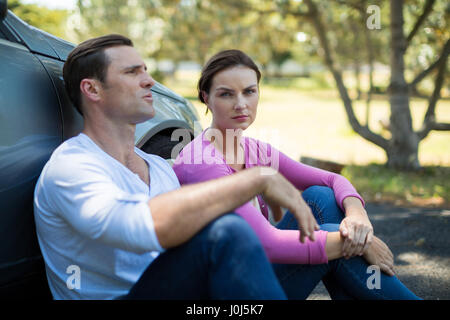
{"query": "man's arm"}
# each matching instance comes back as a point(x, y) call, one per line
point(180, 214)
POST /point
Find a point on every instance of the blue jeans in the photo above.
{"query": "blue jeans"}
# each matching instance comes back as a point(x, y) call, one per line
point(344, 279)
point(225, 260)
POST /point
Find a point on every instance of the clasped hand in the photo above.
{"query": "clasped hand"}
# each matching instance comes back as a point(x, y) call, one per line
point(360, 240)
point(358, 234)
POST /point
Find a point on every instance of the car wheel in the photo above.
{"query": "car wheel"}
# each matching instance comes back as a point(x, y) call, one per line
point(162, 145)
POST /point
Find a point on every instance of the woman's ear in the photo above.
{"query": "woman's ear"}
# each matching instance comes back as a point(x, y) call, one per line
point(205, 97)
point(205, 100)
point(90, 89)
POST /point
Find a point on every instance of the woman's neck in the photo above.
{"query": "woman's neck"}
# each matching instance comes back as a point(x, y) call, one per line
point(229, 144)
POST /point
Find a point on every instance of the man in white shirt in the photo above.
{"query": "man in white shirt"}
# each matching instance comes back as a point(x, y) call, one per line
point(112, 221)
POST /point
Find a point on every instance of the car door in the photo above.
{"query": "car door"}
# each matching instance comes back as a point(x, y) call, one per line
point(30, 129)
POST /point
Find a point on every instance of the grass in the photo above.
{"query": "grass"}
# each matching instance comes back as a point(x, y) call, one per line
point(427, 187)
point(304, 118)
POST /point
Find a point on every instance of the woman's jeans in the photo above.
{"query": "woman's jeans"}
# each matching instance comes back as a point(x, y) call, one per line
point(344, 279)
point(225, 260)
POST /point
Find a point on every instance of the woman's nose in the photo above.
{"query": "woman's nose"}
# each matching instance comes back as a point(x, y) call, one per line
point(241, 103)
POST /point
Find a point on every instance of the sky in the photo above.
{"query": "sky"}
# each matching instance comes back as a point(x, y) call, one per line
point(54, 4)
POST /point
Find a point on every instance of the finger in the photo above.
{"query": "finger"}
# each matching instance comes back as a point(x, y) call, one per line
point(368, 242)
point(303, 231)
point(386, 269)
point(343, 229)
point(393, 271)
point(307, 223)
point(359, 241)
point(354, 243)
point(302, 237)
point(352, 248)
point(348, 241)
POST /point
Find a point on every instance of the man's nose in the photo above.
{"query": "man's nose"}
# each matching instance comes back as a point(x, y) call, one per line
point(148, 81)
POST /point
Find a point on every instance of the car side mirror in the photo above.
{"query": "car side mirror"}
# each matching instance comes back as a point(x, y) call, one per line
point(3, 9)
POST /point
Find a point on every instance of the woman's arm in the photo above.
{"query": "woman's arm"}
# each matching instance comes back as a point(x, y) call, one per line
point(303, 176)
point(334, 245)
point(355, 227)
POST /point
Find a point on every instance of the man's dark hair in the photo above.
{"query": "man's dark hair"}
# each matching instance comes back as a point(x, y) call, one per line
point(88, 60)
point(221, 61)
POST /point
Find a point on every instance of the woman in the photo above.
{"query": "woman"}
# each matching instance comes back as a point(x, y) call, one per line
point(344, 247)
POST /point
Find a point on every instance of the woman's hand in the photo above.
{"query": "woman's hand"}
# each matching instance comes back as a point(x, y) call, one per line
point(380, 255)
point(355, 228)
point(358, 234)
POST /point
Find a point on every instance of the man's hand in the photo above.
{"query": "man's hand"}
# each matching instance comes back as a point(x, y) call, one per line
point(379, 254)
point(355, 228)
point(279, 192)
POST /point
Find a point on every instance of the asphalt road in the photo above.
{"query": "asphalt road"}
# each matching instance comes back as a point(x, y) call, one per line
point(420, 241)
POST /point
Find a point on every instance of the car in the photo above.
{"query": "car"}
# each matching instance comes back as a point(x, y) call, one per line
point(35, 117)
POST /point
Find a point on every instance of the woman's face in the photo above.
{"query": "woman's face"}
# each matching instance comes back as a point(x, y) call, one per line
point(233, 98)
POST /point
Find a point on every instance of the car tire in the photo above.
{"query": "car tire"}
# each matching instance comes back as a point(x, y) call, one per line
point(162, 145)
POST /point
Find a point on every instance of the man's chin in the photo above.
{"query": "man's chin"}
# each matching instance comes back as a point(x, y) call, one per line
point(144, 117)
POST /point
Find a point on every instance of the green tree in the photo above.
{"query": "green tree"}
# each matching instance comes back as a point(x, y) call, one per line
point(50, 20)
point(402, 147)
point(137, 19)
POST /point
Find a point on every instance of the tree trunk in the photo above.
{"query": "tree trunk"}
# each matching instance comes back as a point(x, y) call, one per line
point(402, 151)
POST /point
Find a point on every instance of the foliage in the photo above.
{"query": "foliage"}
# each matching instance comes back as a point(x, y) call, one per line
point(50, 20)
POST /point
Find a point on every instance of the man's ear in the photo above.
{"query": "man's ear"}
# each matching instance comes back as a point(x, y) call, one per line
point(91, 89)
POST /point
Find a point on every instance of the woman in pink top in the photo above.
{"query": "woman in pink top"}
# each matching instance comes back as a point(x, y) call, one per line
point(344, 247)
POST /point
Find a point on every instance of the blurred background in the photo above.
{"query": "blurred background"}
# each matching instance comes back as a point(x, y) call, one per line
point(361, 86)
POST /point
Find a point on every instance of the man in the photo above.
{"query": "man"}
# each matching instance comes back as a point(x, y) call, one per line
point(118, 215)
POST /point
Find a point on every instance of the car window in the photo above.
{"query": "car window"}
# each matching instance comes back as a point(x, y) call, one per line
point(2, 36)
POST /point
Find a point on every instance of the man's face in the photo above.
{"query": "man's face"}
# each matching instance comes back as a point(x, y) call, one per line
point(126, 91)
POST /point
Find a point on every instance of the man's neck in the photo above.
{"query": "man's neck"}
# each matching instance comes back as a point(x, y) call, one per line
point(117, 141)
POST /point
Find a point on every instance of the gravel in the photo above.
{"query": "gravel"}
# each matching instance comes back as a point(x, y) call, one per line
point(419, 238)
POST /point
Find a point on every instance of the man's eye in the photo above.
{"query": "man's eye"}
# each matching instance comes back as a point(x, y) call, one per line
point(225, 94)
point(250, 91)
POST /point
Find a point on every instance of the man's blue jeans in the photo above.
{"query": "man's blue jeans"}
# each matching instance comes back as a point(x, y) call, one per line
point(344, 279)
point(225, 260)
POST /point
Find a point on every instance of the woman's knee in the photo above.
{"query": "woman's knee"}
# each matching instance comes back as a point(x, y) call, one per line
point(322, 201)
point(315, 192)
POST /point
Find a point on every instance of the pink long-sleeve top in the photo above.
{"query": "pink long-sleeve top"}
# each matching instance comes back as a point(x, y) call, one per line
point(200, 161)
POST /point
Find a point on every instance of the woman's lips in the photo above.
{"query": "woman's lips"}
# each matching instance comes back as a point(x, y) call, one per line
point(240, 118)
